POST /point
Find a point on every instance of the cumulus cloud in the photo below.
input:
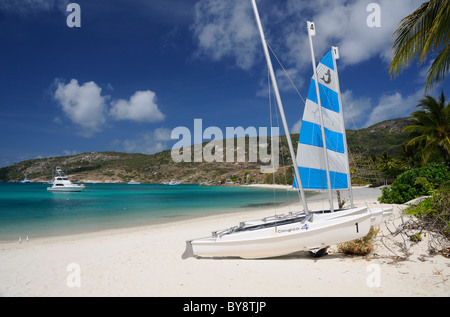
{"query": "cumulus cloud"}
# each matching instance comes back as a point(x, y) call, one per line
point(296, 127)
point(86, 107)
point(70, 152)
point(83, 105)
point(345, 23)
point(141, 107)
point(148, 143)
point(356, 110)
point(224, 29)
point(394, 105)
point(361, 112)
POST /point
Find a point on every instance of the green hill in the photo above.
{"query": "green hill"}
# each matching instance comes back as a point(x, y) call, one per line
point(386, 136)
point(116, 167)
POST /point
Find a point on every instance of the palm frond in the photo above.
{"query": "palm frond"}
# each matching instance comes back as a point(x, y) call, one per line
point(421, 32)
point(430, 128)
point(439, 68)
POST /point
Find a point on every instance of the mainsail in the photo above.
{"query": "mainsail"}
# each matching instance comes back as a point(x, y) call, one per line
point(310, 152)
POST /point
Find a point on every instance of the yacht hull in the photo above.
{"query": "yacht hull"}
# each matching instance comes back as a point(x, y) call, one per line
point(65, 189)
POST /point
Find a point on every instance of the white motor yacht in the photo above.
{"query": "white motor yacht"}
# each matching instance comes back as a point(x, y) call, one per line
point(61, 183)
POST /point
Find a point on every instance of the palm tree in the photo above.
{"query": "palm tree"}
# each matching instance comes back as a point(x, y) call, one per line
point(389, 166)
point(424, 30)
point(431, 127)
point(410, 157)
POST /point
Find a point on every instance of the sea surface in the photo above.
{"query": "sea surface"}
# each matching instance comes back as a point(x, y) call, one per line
point(31, 210)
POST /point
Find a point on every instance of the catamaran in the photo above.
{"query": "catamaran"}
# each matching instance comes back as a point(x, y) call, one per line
point(61, 183)
point(318, 165)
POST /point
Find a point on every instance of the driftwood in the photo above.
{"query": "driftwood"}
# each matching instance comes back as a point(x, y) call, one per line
point(408, 231)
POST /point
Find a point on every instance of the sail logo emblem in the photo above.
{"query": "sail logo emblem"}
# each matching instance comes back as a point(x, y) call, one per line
point(328, 80)
point(305, 227)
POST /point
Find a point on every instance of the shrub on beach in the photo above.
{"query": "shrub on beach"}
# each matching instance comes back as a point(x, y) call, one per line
point(414, 183)
point(361, 246)
point(434, 212)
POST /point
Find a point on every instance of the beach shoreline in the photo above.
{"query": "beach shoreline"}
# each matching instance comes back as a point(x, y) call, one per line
point(146, 261)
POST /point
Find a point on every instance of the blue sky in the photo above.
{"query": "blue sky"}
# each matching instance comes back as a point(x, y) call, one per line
point(137, 69)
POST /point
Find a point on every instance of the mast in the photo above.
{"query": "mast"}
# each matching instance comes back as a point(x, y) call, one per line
point(335, 53)
point(280, 105)
point(311, 33)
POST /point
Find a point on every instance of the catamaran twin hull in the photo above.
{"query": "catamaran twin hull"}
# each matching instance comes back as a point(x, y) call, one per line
point(285, 235)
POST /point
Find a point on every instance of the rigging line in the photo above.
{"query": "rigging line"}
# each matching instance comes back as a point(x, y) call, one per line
point(353, 159)
point(283, 161)
point(352, 156)
point(287, 75)
point(271, 152)
point(271, 140)
point(285, 71)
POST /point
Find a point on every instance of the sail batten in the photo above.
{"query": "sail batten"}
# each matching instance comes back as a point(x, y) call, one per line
point(310, 152)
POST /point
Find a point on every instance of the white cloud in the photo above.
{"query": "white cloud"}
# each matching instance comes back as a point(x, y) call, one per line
point(26, 7)
point(70, 152)
point(227, 29)
point(362, 112)
point(224, 29)
point(346, 23)
point(296, 127)
point(339, 23)
point(57, 120)
point(141, 107)
point(148, 143)
point(284, 82)
point(83, 105)
point(395, 105)
point(356, 109)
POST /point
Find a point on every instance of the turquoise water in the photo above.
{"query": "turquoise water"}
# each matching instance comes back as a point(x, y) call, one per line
point(29, 209)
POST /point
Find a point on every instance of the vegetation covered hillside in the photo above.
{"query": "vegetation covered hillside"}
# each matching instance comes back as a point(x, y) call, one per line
point(118, 167)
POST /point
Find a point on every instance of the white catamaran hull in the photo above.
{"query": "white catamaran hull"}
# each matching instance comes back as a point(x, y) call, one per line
point(319, 231)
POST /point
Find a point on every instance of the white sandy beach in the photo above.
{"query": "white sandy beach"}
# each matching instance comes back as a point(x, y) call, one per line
point(146, 261)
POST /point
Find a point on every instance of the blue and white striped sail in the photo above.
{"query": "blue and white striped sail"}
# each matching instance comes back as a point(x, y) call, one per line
point(310, 153)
